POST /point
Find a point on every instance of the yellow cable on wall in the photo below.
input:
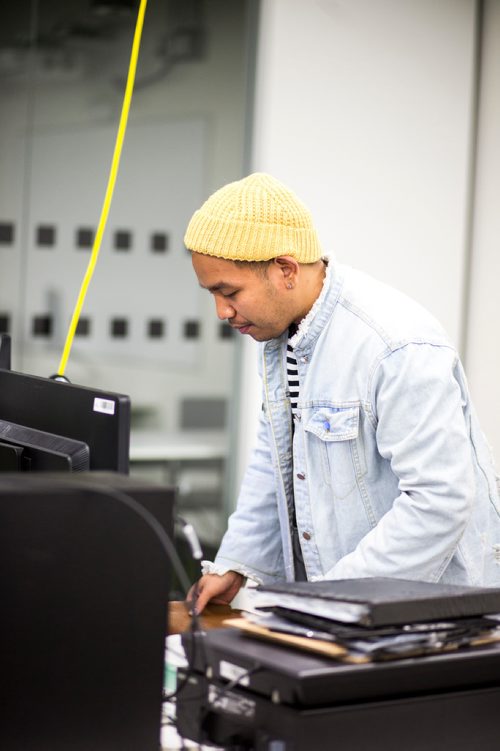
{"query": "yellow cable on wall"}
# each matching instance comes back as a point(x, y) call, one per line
point(110, 187)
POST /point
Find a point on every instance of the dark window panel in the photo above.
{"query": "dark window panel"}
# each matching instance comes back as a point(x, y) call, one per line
point(156, 328)
point(225, 331)
point(45, 235)
point(41, 326)
point(160, 242)
point(4, 323)
point(6, 233)
point(123, 239)
point(191, 329)
point(119, 328)
point(84, 237)
point(83, 327)
point(205, 413)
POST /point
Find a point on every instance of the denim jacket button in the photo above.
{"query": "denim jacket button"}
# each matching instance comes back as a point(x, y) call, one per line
point(301, 476)
point(304, 359)
point(306, 535)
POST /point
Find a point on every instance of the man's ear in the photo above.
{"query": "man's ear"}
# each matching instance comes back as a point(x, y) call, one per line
point(287, 270)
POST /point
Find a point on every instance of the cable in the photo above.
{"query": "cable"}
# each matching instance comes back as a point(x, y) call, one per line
point(171, 552)
point(109, 190)
point(222, 690)
point(195, 628)
point(236, 681)
point(151, 521)
point(191, 537)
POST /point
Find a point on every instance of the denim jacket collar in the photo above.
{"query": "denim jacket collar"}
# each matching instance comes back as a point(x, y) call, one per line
point(307, 342)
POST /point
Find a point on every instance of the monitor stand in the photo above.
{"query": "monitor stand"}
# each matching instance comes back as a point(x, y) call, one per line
point(5, 350)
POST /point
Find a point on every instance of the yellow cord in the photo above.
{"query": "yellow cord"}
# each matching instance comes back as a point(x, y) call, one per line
point(110, 188)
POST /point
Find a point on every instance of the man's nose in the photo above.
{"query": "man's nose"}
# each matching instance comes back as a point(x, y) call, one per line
point(224, 308)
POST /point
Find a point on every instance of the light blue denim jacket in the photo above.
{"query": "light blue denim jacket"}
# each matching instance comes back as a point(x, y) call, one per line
point(389, 470)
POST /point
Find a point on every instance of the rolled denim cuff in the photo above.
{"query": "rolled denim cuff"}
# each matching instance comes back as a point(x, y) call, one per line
point(208, 567)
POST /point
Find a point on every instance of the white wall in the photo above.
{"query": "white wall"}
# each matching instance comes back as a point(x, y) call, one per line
point(365, 108)
point(483, 346)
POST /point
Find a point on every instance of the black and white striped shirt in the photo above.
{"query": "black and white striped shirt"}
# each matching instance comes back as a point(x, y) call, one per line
point(293, 389)
point(292, 372)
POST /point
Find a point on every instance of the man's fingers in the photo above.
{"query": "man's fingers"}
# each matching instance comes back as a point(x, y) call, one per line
point(197, 598)
point(215, 588)
point(199, 605)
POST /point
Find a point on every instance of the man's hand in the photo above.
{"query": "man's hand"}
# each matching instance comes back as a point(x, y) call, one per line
point(214, 588)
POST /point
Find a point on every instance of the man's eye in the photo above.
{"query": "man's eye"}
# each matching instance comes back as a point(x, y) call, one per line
point(230, 294)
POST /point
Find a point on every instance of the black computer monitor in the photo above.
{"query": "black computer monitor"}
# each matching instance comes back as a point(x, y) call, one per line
point(24, 449)
point(47, 424)
point(84, 585)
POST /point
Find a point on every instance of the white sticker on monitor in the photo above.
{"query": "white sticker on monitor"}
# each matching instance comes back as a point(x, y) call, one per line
point(107, 406)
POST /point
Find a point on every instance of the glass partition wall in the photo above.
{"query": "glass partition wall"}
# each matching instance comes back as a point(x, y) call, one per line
point(146, 329)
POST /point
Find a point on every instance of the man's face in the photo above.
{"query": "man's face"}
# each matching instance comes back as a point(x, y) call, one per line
point(253, 302)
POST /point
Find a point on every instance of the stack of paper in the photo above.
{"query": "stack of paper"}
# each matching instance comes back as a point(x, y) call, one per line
point(375, 618)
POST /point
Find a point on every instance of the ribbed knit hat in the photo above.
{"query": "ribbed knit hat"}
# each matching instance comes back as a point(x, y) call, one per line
point(254, 219)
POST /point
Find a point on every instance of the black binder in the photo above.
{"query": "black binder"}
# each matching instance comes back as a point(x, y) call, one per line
point(382, 601)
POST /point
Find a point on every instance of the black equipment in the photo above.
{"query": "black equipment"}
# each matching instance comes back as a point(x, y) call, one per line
point(84, 585)
point(250, 694)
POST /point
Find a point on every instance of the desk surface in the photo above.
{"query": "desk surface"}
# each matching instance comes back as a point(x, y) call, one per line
point(213, 616)
point(187, 445)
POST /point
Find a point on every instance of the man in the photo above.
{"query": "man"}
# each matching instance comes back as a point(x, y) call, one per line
point(369, 459)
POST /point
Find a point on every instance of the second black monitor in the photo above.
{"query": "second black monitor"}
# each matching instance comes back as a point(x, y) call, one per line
point(100, 419)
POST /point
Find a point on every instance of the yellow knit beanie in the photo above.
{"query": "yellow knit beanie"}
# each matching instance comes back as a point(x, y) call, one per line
point(254, 219)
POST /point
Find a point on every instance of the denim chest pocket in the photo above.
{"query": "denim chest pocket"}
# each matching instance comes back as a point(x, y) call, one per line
point(334, 444)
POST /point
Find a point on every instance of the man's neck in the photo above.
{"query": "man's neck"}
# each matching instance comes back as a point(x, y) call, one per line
point(312, 279)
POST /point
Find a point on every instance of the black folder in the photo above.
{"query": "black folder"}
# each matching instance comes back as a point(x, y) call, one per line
point(378, 601)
